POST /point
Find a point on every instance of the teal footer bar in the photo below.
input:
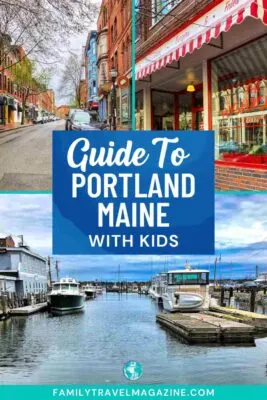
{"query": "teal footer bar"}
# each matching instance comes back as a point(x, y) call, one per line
point(132, 391)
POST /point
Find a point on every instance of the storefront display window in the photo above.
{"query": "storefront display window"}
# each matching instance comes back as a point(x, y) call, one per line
point(185, 111)
point(139, 111)
point(163, 110)
point(239, 103)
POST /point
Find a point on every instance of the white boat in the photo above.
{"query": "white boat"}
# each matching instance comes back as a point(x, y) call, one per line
point(66, 297)
point(99, 290)
point(152, 291)
point(186, 290)
point(157, 286)
point(262, 279)
point(90, 291)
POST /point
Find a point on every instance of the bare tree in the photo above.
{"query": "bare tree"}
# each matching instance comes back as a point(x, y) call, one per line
point(42, 27)
point(70, 83)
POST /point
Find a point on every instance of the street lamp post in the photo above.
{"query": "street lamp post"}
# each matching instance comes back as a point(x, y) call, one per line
point(113, 75)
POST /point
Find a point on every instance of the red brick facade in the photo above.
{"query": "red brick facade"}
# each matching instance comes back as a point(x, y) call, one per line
point(239, 178)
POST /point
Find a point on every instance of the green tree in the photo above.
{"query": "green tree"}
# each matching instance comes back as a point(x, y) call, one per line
point(29, 81)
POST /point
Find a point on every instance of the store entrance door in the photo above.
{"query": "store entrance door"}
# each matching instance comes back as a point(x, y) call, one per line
point(198, 119)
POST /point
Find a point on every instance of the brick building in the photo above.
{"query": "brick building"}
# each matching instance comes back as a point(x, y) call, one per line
point(11, 94)
point(114, 51)
point(200, 65)
point(46, 101)
point(62, 111)
point(102, 61)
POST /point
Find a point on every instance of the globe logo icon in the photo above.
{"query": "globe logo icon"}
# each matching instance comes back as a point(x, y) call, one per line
point(132, 370)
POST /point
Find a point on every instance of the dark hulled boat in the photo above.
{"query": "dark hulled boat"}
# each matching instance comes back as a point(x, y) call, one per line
point(66, 297)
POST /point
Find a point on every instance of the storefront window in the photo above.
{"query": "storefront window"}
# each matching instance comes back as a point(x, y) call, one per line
point(162, 7)
point(239, 103)
point(163, 110)
point(185, 111)
point(139, 111)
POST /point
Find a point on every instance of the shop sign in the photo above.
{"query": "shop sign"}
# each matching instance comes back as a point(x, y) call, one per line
point(123, 82)
point(252, 120)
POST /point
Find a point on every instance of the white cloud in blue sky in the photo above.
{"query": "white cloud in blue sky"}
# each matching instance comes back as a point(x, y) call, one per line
point(241, 239)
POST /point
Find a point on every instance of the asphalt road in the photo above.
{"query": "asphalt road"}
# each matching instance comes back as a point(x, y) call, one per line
point(26, 158)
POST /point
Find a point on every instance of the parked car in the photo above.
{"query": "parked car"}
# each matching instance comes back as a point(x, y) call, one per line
point(82, 121)
point(39, 119)
point(69, 115)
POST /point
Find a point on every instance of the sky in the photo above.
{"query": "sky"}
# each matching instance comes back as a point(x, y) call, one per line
point(241, 240)
point(73, 44)
point(76, 44)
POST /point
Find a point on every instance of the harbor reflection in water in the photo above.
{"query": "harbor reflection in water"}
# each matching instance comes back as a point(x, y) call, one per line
point(91, 348)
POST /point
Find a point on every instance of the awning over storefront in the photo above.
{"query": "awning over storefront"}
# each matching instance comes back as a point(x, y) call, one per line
point(201, 31)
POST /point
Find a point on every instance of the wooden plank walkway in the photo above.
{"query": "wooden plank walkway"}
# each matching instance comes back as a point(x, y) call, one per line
point(28, 310)
point(203, 328)
point(259, 321)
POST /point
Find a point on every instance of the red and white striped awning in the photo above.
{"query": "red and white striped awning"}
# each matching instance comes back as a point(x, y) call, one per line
point(209, 26)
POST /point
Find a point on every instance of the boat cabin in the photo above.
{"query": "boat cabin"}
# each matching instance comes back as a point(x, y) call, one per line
point(187, 277)
point(66, 284)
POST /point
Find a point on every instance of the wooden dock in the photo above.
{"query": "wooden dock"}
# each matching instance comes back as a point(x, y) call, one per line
point(259, 321)
point(28, 310)
point(206, 329)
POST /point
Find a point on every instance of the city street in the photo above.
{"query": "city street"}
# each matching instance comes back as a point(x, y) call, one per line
point(25, 158)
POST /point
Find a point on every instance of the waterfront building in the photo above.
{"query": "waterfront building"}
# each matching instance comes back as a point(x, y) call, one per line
point(21, 270)
point(202, 65)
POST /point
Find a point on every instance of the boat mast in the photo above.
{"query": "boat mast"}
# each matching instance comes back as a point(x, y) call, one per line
point(57, 269)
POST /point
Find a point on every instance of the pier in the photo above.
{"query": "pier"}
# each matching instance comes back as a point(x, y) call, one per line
point(258, 321)
point(28, 310)
point(201, 328)
point(13, 304)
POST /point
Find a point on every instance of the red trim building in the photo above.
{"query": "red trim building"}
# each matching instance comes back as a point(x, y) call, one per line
point(202, 65)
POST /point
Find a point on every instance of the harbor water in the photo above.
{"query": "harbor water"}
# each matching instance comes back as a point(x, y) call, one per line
point(91, 348)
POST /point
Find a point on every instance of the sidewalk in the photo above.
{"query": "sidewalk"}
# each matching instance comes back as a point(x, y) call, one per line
point(12, 127)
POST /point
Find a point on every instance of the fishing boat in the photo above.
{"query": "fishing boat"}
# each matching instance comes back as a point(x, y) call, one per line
point(186, 290)
point(90, 291)
point(66, 297)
